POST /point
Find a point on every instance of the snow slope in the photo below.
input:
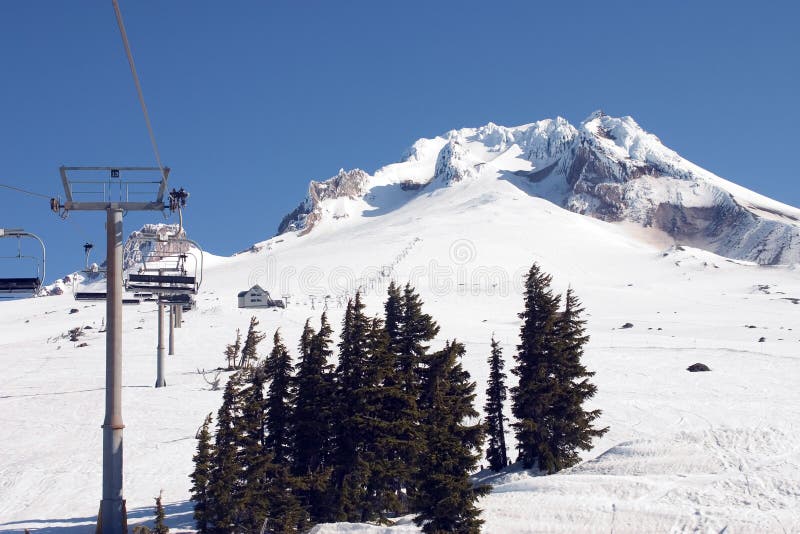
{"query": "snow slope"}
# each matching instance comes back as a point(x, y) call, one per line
point(608, 168)
point(686, 452)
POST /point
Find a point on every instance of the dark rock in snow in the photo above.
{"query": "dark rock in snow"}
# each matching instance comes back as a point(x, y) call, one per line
point(74, 310)
point(697, 367)
point(762, 339)
point(627, 325)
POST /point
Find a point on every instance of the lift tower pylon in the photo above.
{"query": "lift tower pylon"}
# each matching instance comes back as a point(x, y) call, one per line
point(113, 194)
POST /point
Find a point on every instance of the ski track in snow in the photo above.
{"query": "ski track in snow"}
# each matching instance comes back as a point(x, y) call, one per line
point(686, 452)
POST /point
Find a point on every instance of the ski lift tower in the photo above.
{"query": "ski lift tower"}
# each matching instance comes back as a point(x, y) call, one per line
point(109, 189)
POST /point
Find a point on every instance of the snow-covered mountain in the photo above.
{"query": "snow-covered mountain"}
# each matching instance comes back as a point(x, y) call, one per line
point(607, 167)
point(462, 218)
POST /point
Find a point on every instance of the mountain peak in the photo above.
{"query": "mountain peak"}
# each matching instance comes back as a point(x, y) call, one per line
point(608, 168)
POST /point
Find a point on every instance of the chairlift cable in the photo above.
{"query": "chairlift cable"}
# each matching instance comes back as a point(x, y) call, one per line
point(25, 191)
point(128, 52)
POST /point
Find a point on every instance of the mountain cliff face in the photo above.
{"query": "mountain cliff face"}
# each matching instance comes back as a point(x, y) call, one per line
point(608, 168)
point(347, 184)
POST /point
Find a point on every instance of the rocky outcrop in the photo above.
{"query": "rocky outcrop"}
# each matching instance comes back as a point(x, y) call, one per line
point(608, 168)
point(349, 184)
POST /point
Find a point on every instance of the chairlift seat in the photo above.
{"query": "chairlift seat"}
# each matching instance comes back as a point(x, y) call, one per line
point(161, 279)
point(90, 295)
point(19, 285)
point(176, 299)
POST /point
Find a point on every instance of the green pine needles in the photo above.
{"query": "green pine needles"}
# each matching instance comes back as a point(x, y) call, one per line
point(551, 423)
point(391, 428)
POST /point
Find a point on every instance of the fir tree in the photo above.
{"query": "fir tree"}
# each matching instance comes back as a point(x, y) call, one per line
point(445, 497)
point(416, 329)
point(312, 428)
point(495, 398)
point(400, 399)
point(254, 337)
point(160, 527)
point(254, 459)
point(536, 391)
point(232, 351)
point(224, 488)
point(350, 473)
point(200, 476)
point(572, 425)
point(386, 443)
point(393, 315)
point(278, 370)
point(286, 513)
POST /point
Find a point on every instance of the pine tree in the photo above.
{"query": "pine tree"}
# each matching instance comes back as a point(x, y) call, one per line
point(445, 496)
point(536, 391)
point(495, 398)
point(379, 466)
point(400, 399)
point(200, 476)
point(224, 488)
point(269, 492)
point(252, 456)
point(350, 471)
point(160, 527)
point(254, 337)
point(393, 317)
point(416, 329)
point(232, 351)
point(278, 371)
point(313, 415)
point(286, 512)
point(572, 425)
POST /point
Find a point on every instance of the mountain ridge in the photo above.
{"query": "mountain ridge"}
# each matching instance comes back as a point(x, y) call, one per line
point(607, 168)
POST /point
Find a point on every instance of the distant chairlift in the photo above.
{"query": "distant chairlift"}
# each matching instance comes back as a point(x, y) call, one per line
point(93, 271)
point(169, 269)
point(19, 285)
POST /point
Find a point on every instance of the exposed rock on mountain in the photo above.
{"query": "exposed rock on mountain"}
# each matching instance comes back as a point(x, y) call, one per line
point(347, 184)
point(608, 168)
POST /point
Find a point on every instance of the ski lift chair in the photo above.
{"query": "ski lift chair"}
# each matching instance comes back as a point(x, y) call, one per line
point(171, 268)
point(23, 285)
point(90, 271)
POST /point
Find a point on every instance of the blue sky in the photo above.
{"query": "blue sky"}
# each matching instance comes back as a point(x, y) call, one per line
point(252, 99)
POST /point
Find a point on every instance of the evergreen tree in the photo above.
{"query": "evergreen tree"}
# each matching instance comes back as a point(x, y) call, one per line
point(232, 351)
point(445, 497)
point(278, 370)
point(572, 425)
point(538, 386)
point(312, 428)
point(200, 476)
point(286, 513)
point(393, 315)
point(224, 496)
point(416, 329)
point(254, 337)
point(160, 527)
point(252, 456)
point(402, 387)
point(350, 470)
point(385, 444)
point(495, 397)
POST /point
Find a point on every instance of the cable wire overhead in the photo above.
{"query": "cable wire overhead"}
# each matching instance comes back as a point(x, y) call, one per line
point(138, 87)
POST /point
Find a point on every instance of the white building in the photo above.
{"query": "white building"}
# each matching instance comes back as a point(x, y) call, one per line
point(258, 297)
